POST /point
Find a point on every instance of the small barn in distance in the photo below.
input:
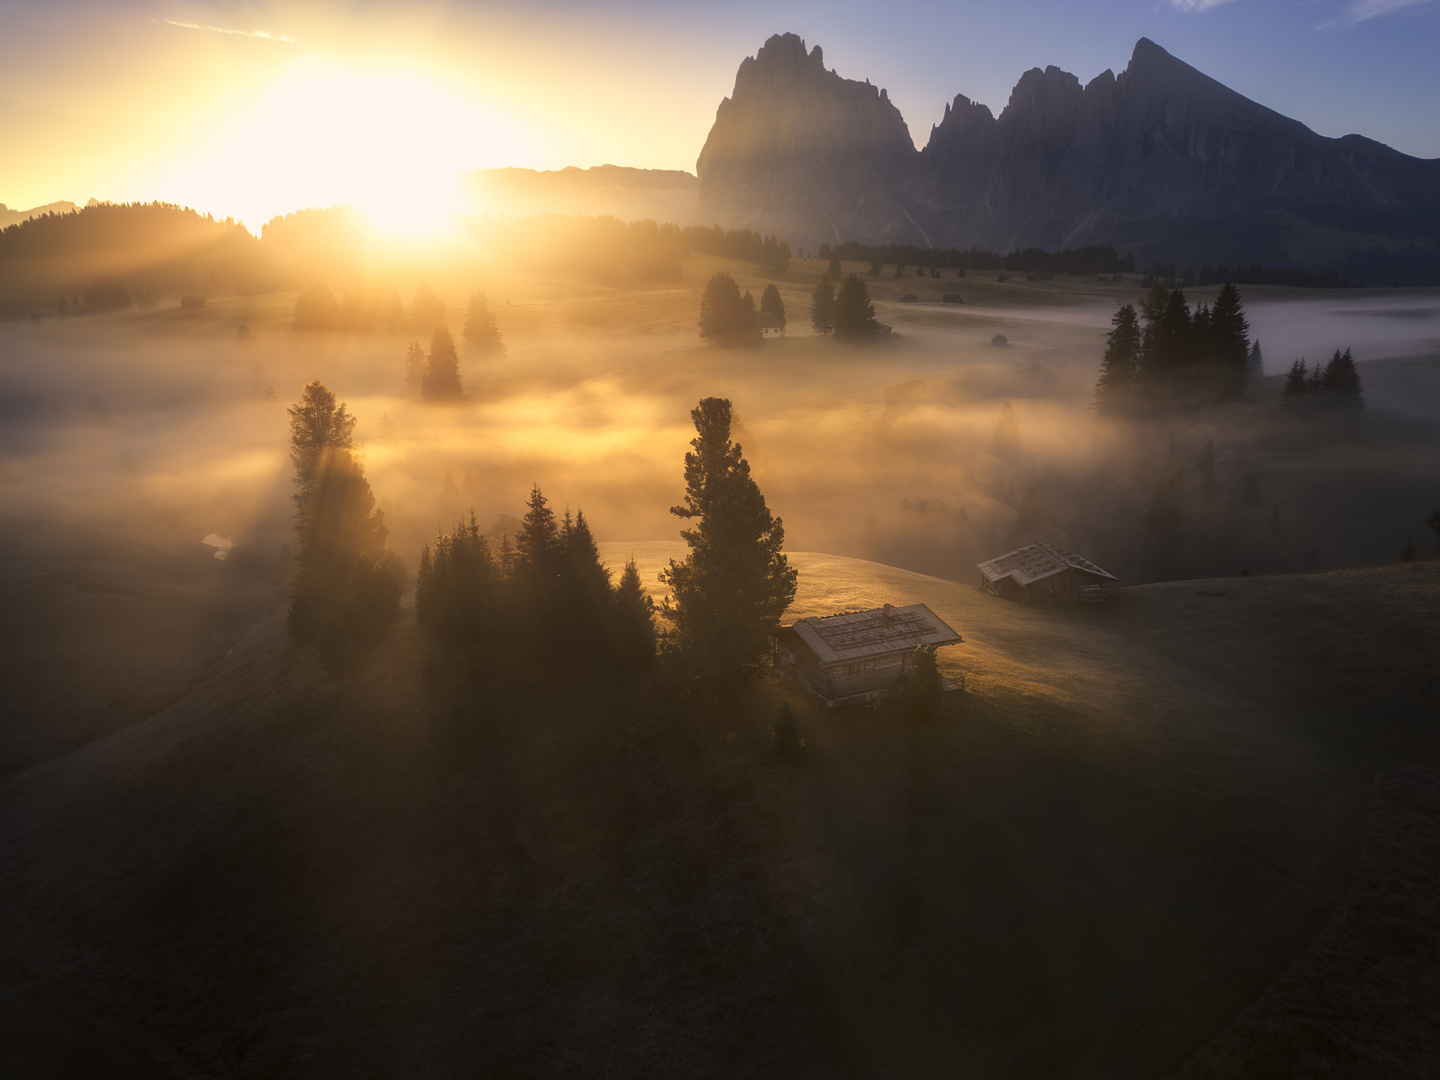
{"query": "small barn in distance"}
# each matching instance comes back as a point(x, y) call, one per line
point(1044, 572)
point(770, 326)
point(859, 655)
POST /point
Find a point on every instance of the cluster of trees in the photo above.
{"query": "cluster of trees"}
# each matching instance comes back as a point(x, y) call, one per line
point(547, 595)
point(846, 312)
point(481, 333)
point(437, 373)
point(1253, 274)
point(1165, 354)
point(731, 319)
point(348, 584)
point(742, 245)
point(1084, 260)
point(1333, 388)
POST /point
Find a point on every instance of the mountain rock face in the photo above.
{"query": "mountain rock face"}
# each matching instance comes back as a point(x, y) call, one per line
point(798, 151)
point(1161, 159)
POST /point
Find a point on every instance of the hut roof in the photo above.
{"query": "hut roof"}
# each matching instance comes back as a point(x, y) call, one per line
point(770, 322)
point(1038, 562)
point(858, 635)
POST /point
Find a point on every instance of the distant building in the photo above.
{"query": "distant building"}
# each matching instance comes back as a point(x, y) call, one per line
point(770, 326)
point(1046, 573)
point(192, 300)
point(999, 340)
point(952, 298)
point(860, 655)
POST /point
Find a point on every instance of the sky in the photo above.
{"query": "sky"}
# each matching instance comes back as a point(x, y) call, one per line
point(254, 108)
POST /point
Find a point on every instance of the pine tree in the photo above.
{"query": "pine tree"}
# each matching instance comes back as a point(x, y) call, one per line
point(414, 364)
point(319, 425)
point(1296, 381)
point(634, 632)
point(1230, 340)
point(1119, 368)
point(455, 588)
point(584, 585)
point(537, 544)
point(480, 331)
point(730, 591)
point(772, 304)
point(822, 306)
point(1341, 384)
point(923, 686)
point(1256, 364)
point(441, 381)
point(854, 314)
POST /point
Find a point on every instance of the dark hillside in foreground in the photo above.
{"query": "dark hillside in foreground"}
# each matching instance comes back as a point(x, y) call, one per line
point(1095, 859)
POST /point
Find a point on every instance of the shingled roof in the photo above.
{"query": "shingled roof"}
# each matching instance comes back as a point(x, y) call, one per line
point(859, 635)
point(1038, 562)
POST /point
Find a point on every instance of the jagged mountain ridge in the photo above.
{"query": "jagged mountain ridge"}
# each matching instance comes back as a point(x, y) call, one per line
point(1161, 158)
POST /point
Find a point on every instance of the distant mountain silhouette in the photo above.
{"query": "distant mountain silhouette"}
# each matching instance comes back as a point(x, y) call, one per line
point(13, 217)
point(1161, 159)
point(606, 190)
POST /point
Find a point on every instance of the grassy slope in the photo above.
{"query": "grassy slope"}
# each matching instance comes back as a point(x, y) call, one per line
point(1100, 854)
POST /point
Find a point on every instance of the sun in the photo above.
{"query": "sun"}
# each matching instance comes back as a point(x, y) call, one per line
point(393, 144)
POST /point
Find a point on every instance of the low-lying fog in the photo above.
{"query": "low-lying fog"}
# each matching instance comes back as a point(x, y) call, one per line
point(163, 425)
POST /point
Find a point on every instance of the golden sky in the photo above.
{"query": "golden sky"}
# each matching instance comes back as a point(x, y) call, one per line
point(252, 108)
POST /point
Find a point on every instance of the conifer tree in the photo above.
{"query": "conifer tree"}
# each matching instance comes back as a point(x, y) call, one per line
point(1229, 342)
point(1255, 364)
point(854, 314)
point(1119, 368)
point(480, 331)
point(730, 591)
point(584, 585)
point(414, 364)
point(772, 304)
point(822, 306)
point(455, 588)
point(1296, 381)
point(1341, 383)
point(319, 425)
point(634, 633)
point(441, 381)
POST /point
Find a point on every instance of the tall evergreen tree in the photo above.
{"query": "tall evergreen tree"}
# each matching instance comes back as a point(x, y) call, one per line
point(1296, 382)
point(1120, 366)
point(634, 633)
point(1341, 383)
point(822, 306)
point(772, 304)
point(1229, 342)
point(414, 364)
point(441, 381)
point(730, 591)
point(1255, 365)
point(319, 425)
point(456, 586)
point(480, 332)
point(854, 314)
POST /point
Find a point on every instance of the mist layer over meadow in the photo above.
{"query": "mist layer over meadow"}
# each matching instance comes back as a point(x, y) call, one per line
point(163, 425)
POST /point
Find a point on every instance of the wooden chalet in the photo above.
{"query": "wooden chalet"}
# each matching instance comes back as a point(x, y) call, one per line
point(1044, 572)
point(860, 655)
point(770, 326)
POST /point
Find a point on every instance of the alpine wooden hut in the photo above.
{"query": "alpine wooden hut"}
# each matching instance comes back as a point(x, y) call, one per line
point(859, 655)
point(1044, 572)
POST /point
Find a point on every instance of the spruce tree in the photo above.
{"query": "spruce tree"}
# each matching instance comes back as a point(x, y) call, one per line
point(772, 304)
point(854, 314)
point(319, 425)
point(441, 381)
point(1229, 342)
point(1341, 384)
point(1120, 366)
point(822, 306)
point(1255, 365)
point(731, 590)
point(414, 364)
point(455, 588)
point(480, 331)
point(634, 626)
point(1296, 381)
